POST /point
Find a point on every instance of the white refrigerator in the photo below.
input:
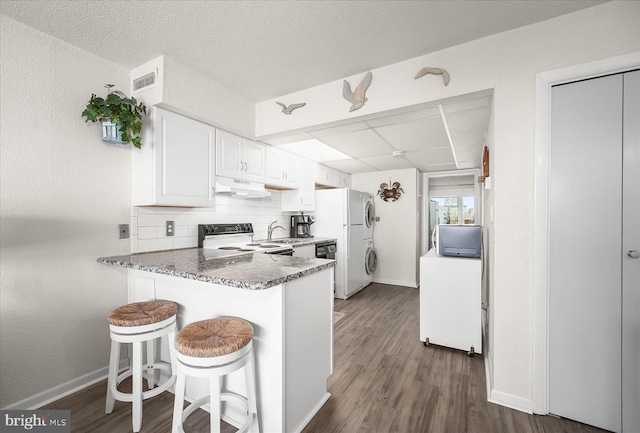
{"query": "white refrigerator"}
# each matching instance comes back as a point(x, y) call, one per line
point(340, 215)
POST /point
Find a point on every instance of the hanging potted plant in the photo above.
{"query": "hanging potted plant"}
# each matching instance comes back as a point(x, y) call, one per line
point(121, 117)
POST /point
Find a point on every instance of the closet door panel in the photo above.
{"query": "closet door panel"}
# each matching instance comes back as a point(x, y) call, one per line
point(585, 224)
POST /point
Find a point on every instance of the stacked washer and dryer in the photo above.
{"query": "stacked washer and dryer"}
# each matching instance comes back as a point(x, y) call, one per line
point(370, 257)
point(348, 216)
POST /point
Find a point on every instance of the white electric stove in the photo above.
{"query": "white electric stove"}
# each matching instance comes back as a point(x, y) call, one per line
point(236, 238)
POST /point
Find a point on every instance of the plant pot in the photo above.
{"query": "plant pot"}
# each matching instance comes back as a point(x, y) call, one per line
point(111, 132)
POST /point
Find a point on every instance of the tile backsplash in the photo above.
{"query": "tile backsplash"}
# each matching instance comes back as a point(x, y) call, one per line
point(148, 224)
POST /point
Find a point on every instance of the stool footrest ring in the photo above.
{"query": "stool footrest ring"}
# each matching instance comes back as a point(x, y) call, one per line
point(224, 396)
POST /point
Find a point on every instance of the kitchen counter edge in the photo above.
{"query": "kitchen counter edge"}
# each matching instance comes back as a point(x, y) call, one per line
point(263, 272)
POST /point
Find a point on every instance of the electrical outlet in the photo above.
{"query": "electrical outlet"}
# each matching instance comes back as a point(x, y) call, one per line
point(170, 228)
point(123, 229)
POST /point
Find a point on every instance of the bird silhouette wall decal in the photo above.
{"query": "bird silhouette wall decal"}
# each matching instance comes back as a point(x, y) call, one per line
point(434, 71)
point(356, 97)
point(289, 109)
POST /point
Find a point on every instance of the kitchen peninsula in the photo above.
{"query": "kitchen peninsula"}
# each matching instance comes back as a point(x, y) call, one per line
point(289, 301)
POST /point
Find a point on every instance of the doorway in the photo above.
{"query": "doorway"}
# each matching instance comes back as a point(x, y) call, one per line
point(581, 195)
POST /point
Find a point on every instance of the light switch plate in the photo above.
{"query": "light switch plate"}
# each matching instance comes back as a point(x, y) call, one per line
point(123, 229)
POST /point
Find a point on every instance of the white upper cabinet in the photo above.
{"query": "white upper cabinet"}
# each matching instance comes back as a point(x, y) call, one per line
point(239, 158)
point(303, 198)
point(281, 169)
point(329, 177)
point(176, 164)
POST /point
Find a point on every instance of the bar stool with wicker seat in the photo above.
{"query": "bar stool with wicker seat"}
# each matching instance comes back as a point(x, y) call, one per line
point(214, 348)
point(138, 323)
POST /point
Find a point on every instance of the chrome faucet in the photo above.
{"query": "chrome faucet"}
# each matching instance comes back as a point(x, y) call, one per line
point(271, 228)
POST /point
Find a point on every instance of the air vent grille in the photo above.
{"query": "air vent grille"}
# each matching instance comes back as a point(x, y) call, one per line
point(144, 81)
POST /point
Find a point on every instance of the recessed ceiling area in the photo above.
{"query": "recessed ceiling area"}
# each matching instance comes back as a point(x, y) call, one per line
point(443, 135)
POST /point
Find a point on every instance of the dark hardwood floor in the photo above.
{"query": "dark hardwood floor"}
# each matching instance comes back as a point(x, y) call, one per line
point(385, 380)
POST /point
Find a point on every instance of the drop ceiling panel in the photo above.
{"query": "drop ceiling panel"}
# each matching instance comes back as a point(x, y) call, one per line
point(419, 134)
point(359, 143)
point(404, 117)
point(350, 166)
point(468, 127)
point(429, 157)
point(469, 153)
point(469, 103)
point(387, 162)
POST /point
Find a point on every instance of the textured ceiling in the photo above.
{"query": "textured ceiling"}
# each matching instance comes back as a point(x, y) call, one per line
point(266, 49)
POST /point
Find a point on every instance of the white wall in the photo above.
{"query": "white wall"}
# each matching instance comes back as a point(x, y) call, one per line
point(190, 93)
point(63, 194)
point(506, 63)
point(396, 234)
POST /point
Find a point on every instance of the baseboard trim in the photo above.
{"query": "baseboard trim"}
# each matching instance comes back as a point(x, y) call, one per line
point(64, 389)
point(312, 413)
point(511, 401)
point(411, 284)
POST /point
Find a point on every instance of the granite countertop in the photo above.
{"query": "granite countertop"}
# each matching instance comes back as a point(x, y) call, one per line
point(299, 242)
point(243, 270)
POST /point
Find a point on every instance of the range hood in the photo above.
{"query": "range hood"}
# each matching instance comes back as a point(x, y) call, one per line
point(240, 188)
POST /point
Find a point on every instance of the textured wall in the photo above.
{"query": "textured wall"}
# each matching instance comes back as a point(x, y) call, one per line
point(396, 234)
point(63, 193)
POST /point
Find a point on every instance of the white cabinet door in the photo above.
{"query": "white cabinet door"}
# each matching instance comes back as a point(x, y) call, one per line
point(303, 198)
point(175, 167)
point(281, 168)
point(274, 169)
point(228, 154)
point(253, 158)
point(291, 166)
point(239, 158)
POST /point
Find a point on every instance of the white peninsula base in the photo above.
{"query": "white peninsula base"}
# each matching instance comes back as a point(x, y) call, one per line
point(293, 339)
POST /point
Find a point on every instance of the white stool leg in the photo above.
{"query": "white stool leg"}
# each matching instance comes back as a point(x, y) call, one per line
point(151, 356)
point(178, 403)
point(214, 403)
point(137, 386)
point(114, 363)
point(250, 380)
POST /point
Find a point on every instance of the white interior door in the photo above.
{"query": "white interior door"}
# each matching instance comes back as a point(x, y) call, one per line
point(586, 237)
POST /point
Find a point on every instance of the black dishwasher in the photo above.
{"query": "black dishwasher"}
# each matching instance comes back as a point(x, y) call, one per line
point(326, 250)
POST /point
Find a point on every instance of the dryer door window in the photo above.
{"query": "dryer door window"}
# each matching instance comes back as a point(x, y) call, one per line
point(369, 214)
point(370, 261)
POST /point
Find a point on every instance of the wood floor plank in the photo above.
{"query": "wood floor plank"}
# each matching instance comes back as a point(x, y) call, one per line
point(385, 381)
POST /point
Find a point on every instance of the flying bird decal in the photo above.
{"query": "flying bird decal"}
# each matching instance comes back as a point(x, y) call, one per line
point(434, 71)
point(356, 98)
point(290, 108)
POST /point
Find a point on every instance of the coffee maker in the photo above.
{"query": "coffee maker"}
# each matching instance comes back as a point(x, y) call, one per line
point(301, 226)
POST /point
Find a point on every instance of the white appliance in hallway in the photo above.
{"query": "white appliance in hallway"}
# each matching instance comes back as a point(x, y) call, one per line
point(370, 256)
point(340, 214)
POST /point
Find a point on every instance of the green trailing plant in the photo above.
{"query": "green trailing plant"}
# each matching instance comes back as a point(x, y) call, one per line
point(120, 110)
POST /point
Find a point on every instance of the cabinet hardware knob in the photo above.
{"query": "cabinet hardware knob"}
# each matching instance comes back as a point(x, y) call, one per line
point(633, 254)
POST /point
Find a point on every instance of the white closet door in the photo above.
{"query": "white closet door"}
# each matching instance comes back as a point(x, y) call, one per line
point(585, 268)
point(631, 266)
